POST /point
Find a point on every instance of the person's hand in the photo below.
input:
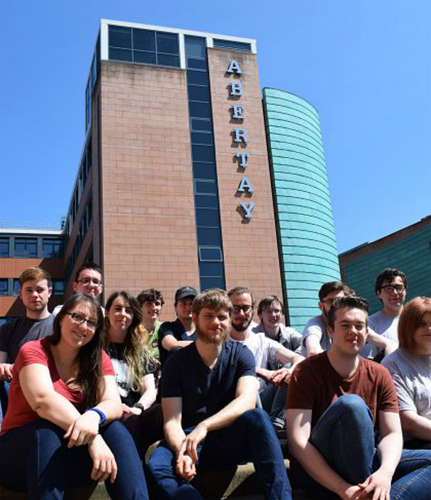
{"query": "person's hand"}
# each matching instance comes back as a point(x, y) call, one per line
point(5, 371)
point(377, 486)
point(351, 493)
point(131, 410)
point(104, 464)
point(190, 444)
point(264, 374)
point(185, 467)
point(281, 377)
point(83, 430)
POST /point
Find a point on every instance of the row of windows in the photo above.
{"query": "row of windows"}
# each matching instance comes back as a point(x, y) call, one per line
point(208, 229)
point(94, 72)
point(10, 287)
point(143, 46)
point(31, 248)
point(83, 174)
point(84, 224)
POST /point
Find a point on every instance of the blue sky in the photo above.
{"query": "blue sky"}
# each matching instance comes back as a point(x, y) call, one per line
point(364, 64)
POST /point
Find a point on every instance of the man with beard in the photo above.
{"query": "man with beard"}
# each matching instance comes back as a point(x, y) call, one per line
point(267, 354)
point(208, 397)
point(35, 291)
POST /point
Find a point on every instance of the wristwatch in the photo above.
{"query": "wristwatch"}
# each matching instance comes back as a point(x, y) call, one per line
point(140, 406)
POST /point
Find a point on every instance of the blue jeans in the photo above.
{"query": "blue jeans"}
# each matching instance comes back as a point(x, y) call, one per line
point(344, 435)
point(250, 438)
point(273, 400)
point(35, 458)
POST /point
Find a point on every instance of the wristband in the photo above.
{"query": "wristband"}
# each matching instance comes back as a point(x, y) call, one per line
point(100, 413)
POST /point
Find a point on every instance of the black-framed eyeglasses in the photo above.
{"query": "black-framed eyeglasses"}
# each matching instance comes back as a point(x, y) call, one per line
point(79, 319)
point(244, 309)
point(89, 281)
point(393, 288)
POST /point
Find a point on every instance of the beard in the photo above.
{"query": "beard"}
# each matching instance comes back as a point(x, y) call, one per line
point(241, 326)
point(211, 338)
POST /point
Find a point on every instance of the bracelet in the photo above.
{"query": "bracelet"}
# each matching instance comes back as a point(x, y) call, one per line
point(140, 406)
point(100, 413)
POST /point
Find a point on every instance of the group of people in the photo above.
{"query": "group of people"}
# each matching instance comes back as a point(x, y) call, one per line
point(88, 389)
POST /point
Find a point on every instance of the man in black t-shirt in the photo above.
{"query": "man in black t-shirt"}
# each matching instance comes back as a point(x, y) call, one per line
point(174, 335)
point(209, 391)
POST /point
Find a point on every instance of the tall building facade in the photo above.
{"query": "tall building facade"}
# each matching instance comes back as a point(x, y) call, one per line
point(176, 186)
point(408, 250)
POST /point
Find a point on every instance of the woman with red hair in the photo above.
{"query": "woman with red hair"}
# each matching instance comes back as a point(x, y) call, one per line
point(410, 367)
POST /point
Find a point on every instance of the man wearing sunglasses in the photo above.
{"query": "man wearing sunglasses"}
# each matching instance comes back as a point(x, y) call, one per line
point(391, 289)
point(89, 280)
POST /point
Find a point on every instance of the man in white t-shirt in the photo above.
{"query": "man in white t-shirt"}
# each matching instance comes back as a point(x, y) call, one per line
point(391, 289)
point(266, 352)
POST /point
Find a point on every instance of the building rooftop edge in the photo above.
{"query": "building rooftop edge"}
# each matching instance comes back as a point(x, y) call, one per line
point(9, 230)
point(296, 95)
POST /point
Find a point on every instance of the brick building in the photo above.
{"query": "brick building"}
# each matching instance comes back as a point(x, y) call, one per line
point(177, 183)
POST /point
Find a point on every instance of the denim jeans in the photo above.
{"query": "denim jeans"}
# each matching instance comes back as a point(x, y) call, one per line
point(250, 438)
point(35, 458)
point(344, 435)
point(273, 400)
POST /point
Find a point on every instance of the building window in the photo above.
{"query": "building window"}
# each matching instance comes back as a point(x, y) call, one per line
point(52, 248)
point(229, 44)
point(3, 286)
point(4, 247)
point(58, 287)
point(16, 287)
point(144, 46)
point(25, 248)
point(210, 254)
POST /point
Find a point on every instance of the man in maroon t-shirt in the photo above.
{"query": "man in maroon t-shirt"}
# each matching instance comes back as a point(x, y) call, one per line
point(336, 403)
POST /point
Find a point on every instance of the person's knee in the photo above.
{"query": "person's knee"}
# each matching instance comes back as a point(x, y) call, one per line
point(351, 404)
point(256, 418)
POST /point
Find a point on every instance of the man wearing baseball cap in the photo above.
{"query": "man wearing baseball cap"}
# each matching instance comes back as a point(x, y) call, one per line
point(174, 335)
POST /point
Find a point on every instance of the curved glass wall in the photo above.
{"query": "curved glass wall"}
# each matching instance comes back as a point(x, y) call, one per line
point(307, 246)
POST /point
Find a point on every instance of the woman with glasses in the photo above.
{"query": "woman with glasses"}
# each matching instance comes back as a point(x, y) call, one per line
point(127, 346)
point(60, 430)
point(410, 367)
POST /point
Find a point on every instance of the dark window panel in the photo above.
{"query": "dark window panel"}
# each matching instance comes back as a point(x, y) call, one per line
point(197, 77)
point(211, 269)
point(16, 286)
point(120, 54)
point(204, 170)
point(197, 63)
point(203, 153)
point(207, 218)
point(198, 125)
point(144, 40)
point(197, 93)
point(205, 187)
point(209, 236)
point(167, 43)
point(199, 109)
point(52, 249)
point(26, 248)
point(58, 287)
point(228, 44)
point(168, 60)
point(4, 247)
point(207, 283)
point(144, 57)
point(202, 138)
point(120, 36)
point(206, 201)
point(196, 47)
point(210, 254)
point(3, 286)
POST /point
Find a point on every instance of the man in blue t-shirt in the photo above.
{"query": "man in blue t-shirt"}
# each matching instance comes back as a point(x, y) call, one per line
point(209, 391)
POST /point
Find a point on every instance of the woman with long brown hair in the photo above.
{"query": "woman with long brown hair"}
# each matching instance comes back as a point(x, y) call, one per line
point(60, 430)
point(128, 348)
